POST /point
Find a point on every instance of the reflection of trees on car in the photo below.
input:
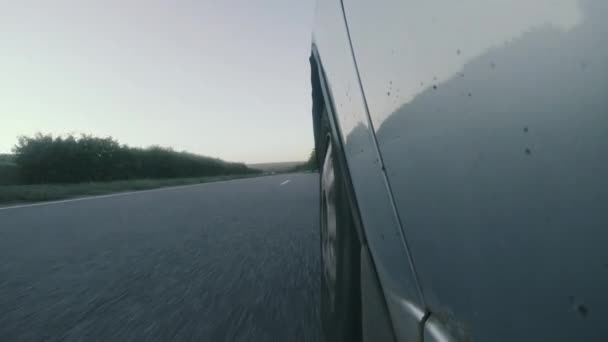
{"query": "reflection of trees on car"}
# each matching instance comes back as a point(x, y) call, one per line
point(497, 173)
point(516, 76)
point(500, 173)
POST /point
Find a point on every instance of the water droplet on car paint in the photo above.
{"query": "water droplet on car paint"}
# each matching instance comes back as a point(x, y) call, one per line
point(435, 87)
point(421, 83)
point(388, 93)
point(582, 310)
point(458, 52)
point(525, 129)
point(579, 307)
point(470, 94)
point(528, 152)
point(492, 65)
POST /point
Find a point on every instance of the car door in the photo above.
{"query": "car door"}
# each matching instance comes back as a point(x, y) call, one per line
point(384, 252)
point(490, 117)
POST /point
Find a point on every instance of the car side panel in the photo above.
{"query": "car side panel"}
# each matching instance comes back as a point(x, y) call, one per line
point(492, 122)
point(343, 95)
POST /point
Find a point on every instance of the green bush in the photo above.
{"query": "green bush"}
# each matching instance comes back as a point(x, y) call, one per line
point(7, 159)
point(9, 174)
point(71, 159)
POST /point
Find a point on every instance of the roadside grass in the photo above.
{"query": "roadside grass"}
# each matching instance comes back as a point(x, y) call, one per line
point(14, 194)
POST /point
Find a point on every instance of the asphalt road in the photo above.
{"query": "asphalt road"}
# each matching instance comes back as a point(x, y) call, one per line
point(229, 261)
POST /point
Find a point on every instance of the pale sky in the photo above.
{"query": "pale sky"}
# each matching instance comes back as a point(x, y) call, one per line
point(227, 78)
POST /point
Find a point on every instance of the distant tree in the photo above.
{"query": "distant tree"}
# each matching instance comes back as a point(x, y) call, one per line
point(44, 158)
point(7, 159)
point(312, 160)
point(309, 165)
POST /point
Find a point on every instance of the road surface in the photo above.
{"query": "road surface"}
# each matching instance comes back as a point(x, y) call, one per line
point(228, 261)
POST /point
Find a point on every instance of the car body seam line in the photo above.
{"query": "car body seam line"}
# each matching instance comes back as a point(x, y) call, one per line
point(381, 161)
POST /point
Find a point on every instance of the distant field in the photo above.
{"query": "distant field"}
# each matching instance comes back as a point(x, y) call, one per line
point(275, 167)
point(47, 192)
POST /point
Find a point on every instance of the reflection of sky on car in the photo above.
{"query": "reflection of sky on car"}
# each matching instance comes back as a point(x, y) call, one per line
point(422, 48)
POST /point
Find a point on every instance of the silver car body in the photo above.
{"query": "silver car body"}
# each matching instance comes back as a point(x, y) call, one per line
point(476, 136)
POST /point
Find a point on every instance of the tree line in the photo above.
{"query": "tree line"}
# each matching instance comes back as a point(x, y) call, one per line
point(85, 158)
point(310, 164)
point(8, 170)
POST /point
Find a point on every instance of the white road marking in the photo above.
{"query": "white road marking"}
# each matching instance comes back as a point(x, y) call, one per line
point(110, 195)
point(285, 182)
